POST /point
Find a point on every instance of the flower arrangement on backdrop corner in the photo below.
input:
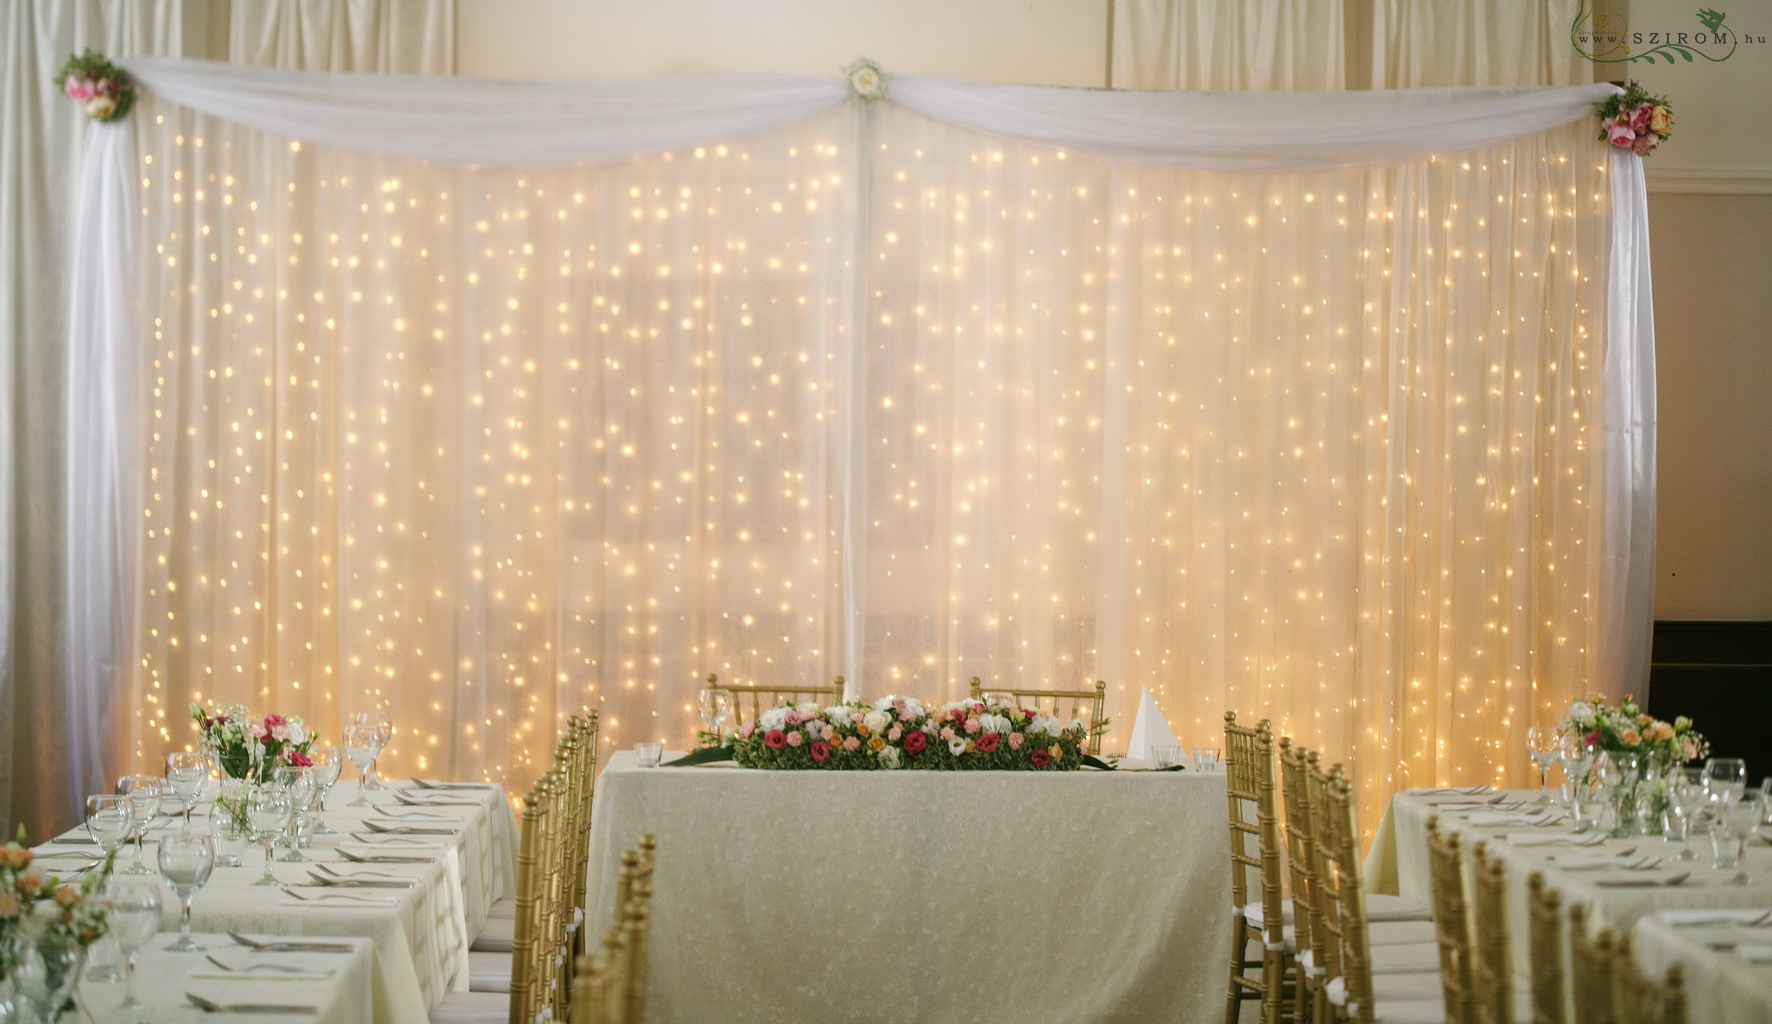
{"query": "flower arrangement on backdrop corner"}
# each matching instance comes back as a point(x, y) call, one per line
point(247, 747)
point(866, 80)
point(901, 732)
point(101, 88)
point(1627, 729)
point(68, 907)
point(1635, 120)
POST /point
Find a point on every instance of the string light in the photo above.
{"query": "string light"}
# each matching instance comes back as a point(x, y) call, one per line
point(489, 447)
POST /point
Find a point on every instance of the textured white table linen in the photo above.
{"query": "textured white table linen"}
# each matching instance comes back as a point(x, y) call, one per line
point(1721, 985)
point(924, 896)
point(421, 942)
point(1398, 863)
point(162, 979)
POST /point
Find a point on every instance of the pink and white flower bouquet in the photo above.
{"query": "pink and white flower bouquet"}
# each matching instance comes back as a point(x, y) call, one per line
point(902, 732)
point(68, 905)
point(101, 88)
point(1627, 729)
point(247, 747)
point(1635, 120)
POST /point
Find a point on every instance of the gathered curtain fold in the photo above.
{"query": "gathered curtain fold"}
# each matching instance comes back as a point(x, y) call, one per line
point(504, 398)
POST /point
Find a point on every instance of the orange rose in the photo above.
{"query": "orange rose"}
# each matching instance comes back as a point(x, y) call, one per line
point(876, 743)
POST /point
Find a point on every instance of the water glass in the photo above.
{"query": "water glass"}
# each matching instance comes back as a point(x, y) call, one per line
point(1685, 798)
point(1726, 777)
point(110, 820)
point(649, 753)
point(328, 762)
point(716, 709)
point(360, 746)
point(298, 781)
point(268, 810)
point(383, 732)
point(1167, 756)
point(1544, 744)
point(144, 792)
point(186, 859)
point(1206, 759)
point(224, 828)
point(134, 918)
point(1736, 822)
point(186, 775)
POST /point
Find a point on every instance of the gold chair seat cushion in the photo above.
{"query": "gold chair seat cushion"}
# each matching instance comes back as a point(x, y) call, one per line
point(498, 936)
point(473, 1008)
point(489, 972)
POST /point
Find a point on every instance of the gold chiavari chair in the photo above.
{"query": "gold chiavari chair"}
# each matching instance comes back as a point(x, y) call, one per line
point(1089, 706)
point(1253, 799)
point(1294, 769)
point(1544, 918)
point(1590, 969)
point(610, 987)
point(1641, 1000)
point(1494, 994)
point(1609, 986)
point(1445, 853)
point(581, 784)
point(759, 699)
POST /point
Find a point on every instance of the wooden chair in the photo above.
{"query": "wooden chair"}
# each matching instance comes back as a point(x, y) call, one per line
point(1491, 967)
point(1445, 852)
point(1590, 969)
point(610, 988)
point(1252, 795)
point(1294, 779)
point(1090, 705)
point(1609, 986)
point(1544, 919)
point(761, 698)
point(1639, 999)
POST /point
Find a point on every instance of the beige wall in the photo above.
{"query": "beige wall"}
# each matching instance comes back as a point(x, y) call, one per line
point(1713, 260)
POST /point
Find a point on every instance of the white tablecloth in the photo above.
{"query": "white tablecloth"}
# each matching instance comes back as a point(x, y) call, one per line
point(1722, 984)
point(421, 942)
point(925, 896)
point(162, 979)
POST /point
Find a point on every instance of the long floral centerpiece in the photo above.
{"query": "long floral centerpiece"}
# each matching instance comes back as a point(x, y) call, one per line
point(901, 732)
point(64, 909)
point(249, 748)
point(1627, 729)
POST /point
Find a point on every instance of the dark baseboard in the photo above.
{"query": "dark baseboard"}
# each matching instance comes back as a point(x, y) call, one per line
point(1717, 674)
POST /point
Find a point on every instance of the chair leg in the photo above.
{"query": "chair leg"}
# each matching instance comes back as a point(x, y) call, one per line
point(1273, 973)
point(1233, 999)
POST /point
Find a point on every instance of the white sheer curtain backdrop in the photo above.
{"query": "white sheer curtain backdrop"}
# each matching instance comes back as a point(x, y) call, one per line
point(1429, 43)
point(42, 137)
point(876, 394)
point(414, 36)
point(1229, 44)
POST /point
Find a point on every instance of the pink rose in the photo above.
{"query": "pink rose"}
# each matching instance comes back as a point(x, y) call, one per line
point(972, 725)
point(280, 733)
point(1620, 135)
point(775, 739)
point(947, 733)
point(257, 732)
point(80, 89)
point(272, 721)
point(1645, 142)
point(820, 751)
point(1640, 116)
point(852, 743)
point(1015, 740)
point(893, 734)
point(856, 716)
point(745, 733)
point(987, 744)
point(795, 739)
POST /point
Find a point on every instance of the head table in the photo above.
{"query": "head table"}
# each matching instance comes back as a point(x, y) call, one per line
point(888, 896)
point(420, 934)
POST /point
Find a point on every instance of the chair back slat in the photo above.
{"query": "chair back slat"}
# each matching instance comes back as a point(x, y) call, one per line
point(1452, 929)
point(1338, 834)
point(1492, 976)
point(1087, 706)
point(611, 987)
point(528, 948)
point(749, 702)
point(1544, 919)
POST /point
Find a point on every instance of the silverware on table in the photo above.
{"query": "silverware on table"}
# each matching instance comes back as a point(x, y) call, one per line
point(290, 945)
point(1643, 883)
point(210, 1006)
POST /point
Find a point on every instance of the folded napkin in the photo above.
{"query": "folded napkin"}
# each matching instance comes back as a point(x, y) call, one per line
point(1486, 819)
point(1751, 918)
point(1149, 728)
point(1581, 862)
point(234, 966)
point(338, 899)
point(1466, 791)
point(1754, 952)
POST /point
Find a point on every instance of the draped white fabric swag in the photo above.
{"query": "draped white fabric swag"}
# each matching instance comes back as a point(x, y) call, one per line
point(873, 394)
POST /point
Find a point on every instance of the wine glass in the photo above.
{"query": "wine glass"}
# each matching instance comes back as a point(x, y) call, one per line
point(45, 966)
point(1737, 821)
point(716, 708)
point(268, 809)
point(186, 775)
point(144, 793)
point(186, 859)
point(328, 762)
point(1686, 796)
point(1726, 778)
point(110, 820)
point(1543, 743)
point(384, 733)
point(134, 918)
point(298, 782)
point(359, 746)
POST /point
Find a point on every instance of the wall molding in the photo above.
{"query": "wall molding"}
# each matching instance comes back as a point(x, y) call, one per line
point(1706, 181)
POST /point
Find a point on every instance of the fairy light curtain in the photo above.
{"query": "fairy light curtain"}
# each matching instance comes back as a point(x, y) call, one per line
point(910, 392)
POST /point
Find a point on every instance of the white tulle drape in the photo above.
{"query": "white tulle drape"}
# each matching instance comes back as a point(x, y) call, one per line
point(872, 393)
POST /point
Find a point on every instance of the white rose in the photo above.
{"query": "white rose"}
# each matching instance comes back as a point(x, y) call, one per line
point(876, 721)
point(1580, 710)
point(101, 106)
point(865, 81)
point(836, 713)
point(994, 723)
point(890, 757)
point(807, 709)
point(956, 746)
point(297, 734)
point(774, 718)
point(884, 703)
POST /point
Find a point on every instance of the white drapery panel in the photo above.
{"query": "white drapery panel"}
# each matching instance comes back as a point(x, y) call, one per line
point(877, 394)
point(1228, 44)
point(415, 36)
point(1431, 43)
point(42, 137)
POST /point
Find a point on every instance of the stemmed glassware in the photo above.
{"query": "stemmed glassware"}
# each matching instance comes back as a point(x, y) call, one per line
point(144, 793)
point(383, 731)
point(328, 762)
point(1726, 778)
point(134, 918)
point(1544, 744)
point(1686, 796)
point(716, 709)
point(268, 810)
point(298, 782)
point(186, 775)
point(45, 964)
point(186, 859)
point(110, 821)
point(359, 746)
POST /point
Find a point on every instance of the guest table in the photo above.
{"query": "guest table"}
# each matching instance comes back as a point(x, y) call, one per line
point(337, 986)
point(1726, 956)
point(888, 896)
point(420, 933)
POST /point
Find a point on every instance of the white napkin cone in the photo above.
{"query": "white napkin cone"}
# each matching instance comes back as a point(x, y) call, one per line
point(1149, 728)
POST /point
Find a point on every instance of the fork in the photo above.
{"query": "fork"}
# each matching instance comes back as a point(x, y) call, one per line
point(287, 891)
point(210, 1006)
point(249, 968)
point(285, 946)
point(360, 859)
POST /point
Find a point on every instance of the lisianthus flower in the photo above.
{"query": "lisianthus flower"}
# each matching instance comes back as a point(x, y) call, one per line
point(956, 746)
point(820, 751)
point(987, 744)
point(1039, 758)
point(775, 739)
point(915, 741)
point(300, 760)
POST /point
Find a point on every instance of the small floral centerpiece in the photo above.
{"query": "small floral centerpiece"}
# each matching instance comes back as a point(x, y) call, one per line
point(64, 909)
point(247, 748)
point(101, 88)
point(1626, 729)
point(867, 82)
point(901, 732)
point(1635, 120)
